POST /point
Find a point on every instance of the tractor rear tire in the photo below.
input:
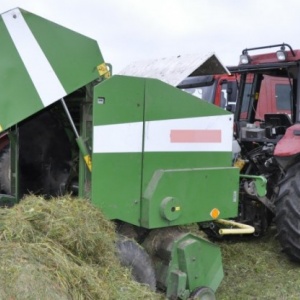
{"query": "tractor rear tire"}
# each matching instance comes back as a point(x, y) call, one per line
point(287, 217)
point(135, 257)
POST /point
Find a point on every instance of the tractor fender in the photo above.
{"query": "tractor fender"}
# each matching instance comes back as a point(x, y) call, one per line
point(289, 144)
point(288, 147)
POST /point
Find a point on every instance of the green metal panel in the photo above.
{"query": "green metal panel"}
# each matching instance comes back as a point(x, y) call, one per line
point(40, 62)
point(73, 56)
point(116, 185)
point(184, 262)
point(18, 98)
point(196, 181)
point(116, 175)
point(174, 103)
point(135, 170)
point(123, 100)
point(199, 259)
point(182, 160)
point(177, 197)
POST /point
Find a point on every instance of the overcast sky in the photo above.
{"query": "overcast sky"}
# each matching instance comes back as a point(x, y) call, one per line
point(131, 30)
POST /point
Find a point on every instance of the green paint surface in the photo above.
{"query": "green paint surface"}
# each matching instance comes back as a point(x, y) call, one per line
point(117, 177)
point(196, 191)
point(174, 103)
point(133, 186)
point(73, 56)
point(18, 97)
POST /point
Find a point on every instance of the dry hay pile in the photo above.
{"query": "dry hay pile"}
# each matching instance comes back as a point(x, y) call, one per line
point(61, 249)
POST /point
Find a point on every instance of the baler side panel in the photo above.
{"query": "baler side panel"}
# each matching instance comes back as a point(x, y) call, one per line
point(178, 197)
point(174, 103)
point(127, 152)
point(117, 147)
point(187, 162)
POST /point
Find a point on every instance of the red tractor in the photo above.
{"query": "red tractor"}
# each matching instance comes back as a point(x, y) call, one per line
point(270, 142)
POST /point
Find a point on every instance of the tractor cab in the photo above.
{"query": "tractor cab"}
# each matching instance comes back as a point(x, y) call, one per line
point(281, 70)
point(263, 115)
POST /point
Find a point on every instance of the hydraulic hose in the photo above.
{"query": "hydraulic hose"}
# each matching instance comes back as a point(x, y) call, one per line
point(240, 228)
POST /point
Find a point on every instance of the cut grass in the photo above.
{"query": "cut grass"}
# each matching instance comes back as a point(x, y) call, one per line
point(62, 249)
point(255, 268)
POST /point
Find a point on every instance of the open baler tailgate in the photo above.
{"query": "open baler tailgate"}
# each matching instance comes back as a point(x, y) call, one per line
point(40, 62)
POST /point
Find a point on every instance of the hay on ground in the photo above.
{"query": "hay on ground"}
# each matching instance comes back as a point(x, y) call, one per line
point(62, 248)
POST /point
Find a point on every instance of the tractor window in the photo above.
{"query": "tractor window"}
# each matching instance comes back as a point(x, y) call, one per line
point(203, 87)
point(246, 101)
point(224, 103)
point(282, 92)
point(206, 93)
point(229, 91)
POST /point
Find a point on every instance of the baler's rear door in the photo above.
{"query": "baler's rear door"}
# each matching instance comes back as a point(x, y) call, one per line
point(40, 62)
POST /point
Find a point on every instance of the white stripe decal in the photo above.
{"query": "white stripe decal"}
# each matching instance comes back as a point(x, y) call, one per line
point(38, 67)
point(201, 134)
point(212, 133)
point(118, 138)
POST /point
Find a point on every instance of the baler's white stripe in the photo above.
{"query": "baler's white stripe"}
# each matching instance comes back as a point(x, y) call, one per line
point(128, 137)
point(158, 134)
point(117, 138)
point(38, 67)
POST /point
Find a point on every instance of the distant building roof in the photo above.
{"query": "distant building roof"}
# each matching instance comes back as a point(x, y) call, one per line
point(173, 70)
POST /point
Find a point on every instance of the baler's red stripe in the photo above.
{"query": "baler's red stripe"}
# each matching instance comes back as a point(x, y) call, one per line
point(195, 136)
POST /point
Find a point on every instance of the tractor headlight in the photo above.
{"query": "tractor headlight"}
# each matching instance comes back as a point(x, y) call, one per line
point(281, 54)
point(244, 59)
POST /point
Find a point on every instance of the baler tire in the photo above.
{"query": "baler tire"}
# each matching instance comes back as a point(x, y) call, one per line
point(287, 217)
point(5, 172)
point(135, 257)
